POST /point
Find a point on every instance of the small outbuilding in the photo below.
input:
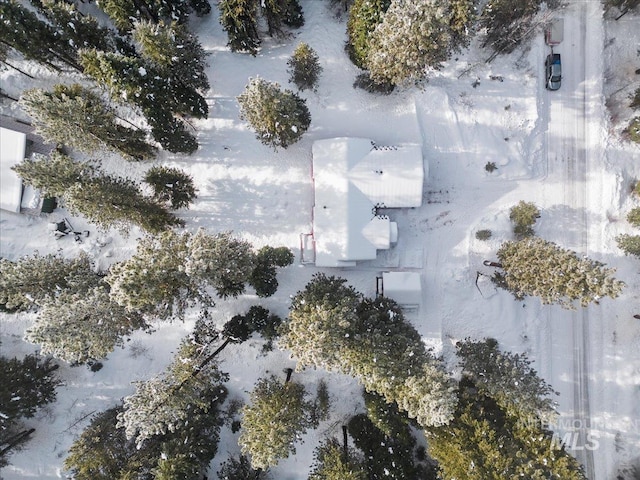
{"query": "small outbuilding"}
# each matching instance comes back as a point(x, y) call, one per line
point(17, 142)
point(353, 180)
point(403, 287)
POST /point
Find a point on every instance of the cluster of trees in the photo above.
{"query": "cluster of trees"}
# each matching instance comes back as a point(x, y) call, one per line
point(152, 57)
point(633, 130)
point(105, 200)
point(27, 385)
point(279, 117)
point(630, 244)
point(167, 429)
point(82, 315)
point(240, 19)
point(398, 41)
point(498, 430)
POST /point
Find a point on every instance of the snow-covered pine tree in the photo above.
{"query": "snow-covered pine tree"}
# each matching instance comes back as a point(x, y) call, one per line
point(319, 317)
point(304, 67)
point(331, 326)
point(278, 117)
point(167, 403)
point(174, 51)
point(111, 202)
point(508, 378)
point(507, 22)
point(138, 81)
point(281, 12)
point(279, 413)
point(364, 16)
point(35, 281)
point(24, 32)
point(221, 261)
point(27, 385)
point(153, 281)
point(75, 116)
point(332, 463)
point(239, 18)
point(264, 275)
point(483, 441)
point(55, 175)
point(535, 267)
point(633, 217)
point(414, 35)
point(629, 244)
point(462, 15)
point(171, 185)
point(82, 327)
point(75, 29)
point(524, 216)
point(240, 469)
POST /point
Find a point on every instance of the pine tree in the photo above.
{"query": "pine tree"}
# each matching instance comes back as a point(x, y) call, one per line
point(35, 281)
point(111, 202)
point(387, 457)
point(507, 22)
point(507, 378)
point(331, 326)
point(524, 216)
point(332, 463)
point(175, 52)
point(221, 261)
point(535, 267)
point(264, 275)
point(281, 12)
point(239, 18)
point(278, 117)
point(74, 28)
point(55, 175)
point(462, 16)
point(629, 244)
point(153, 281)
point(633, 217)
point(82, 327)
point(414, 35)
point(24, 32)
point(27, 385)
point(240, 469)
point(485, 442)
point(167, 403)
point(74, 116)
point(364, 17)
point(172, 186)
point(103, 452)
point(304, 67)
point(141, 84)
point(278, 412)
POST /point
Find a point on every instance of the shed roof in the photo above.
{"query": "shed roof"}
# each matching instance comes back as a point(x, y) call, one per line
point(12, 151)
point(403, 287)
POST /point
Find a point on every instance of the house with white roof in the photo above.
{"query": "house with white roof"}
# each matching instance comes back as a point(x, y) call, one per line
point(353, 179)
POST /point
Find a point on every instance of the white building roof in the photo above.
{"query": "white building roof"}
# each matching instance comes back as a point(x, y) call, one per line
point(12, 152)
point(352, 178)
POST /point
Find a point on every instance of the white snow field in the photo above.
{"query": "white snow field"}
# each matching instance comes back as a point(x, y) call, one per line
point(560, 150)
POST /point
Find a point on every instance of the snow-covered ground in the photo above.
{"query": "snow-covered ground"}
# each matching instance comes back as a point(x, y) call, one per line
point(559, 150)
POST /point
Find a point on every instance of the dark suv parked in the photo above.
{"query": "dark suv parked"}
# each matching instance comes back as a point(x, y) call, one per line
point(553, 67)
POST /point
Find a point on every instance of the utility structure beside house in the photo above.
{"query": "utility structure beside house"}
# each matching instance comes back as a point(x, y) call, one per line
point(17, 142)
point(354, 181)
